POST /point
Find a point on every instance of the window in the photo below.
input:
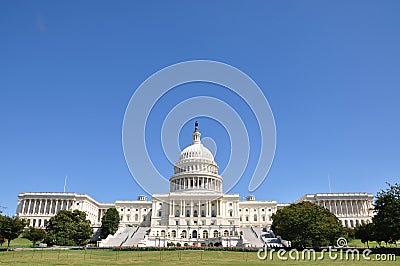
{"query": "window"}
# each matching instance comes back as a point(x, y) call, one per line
point(129, 210)
point(247, 218)
point(213, 213)
point(269, 210)
point(187, 213)
point(262, 210)
point(122, 210)
point(160, 213)
point(184, 233)
point(177, 213)
point(263, 218)
point(136, 217)
point(230, 204)
point(203, 213)
point(255, 217)
point(176, 222)
point(230, 213)
point(215, 233)
point(240, 210)
point(173, 233)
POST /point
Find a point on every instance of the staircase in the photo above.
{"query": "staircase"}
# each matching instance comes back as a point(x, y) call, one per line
point(137, 236)
point(119, 238)
point(251, 237)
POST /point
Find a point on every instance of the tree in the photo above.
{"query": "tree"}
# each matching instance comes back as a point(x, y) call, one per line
point(34, 234)
point(364, 232)
point(109, 222)
point(68, 228)
point(2, 224)
point(387, 214)
point(10, 228)
point(307, 224)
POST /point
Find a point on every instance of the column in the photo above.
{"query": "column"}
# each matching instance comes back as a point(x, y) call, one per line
point(358, 208)
point(191, 208)
point(45, 206)
point(206, 205)
point(34, 207)
point(352, 207)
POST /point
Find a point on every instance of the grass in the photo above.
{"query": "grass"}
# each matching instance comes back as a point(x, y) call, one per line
point(19, 243)
point(372, 244)
point(185, 257)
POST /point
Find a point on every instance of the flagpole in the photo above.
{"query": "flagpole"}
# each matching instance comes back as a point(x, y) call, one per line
point(65, 182)
point(329, 182)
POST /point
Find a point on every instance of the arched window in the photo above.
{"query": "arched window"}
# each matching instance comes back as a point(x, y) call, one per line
point(187, 213)
point(230, 213)
point(177, 213)
point(213, 213)
point(162, 232)
point(195, 213)
point(136, 217)
point(184, 234)
point(215, 233)
point(173, 233)
point(255, 217)
point(205, 234)
point(203, 213)
point(226, 233)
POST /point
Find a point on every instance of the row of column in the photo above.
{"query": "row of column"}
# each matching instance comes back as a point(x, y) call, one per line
point(207, 208)
point(196, 183)
point(45, 206)
point(346, 207)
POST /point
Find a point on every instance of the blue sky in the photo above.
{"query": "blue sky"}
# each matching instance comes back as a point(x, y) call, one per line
point(330, 71)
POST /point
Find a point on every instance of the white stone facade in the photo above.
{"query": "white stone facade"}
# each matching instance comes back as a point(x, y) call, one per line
point(195, 210)
point(352, 209)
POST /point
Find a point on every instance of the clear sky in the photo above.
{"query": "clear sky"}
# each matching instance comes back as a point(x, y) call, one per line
point(329, 69)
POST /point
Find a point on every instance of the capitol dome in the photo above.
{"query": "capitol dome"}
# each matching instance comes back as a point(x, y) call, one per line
point(196, 168)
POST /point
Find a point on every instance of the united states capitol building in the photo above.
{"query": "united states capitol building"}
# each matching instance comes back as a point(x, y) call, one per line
point(195, 212)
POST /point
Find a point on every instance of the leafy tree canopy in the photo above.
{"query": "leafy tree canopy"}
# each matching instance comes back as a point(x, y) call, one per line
point(34, 234)
point(10, 228)
point(109, 222)
point(306, 224)
point(68, 228)
point(365, 232)
point(387, 214)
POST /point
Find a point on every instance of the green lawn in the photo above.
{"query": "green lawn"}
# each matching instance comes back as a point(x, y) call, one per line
point(108, 257)
point(372, 244)
point(19, 243)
